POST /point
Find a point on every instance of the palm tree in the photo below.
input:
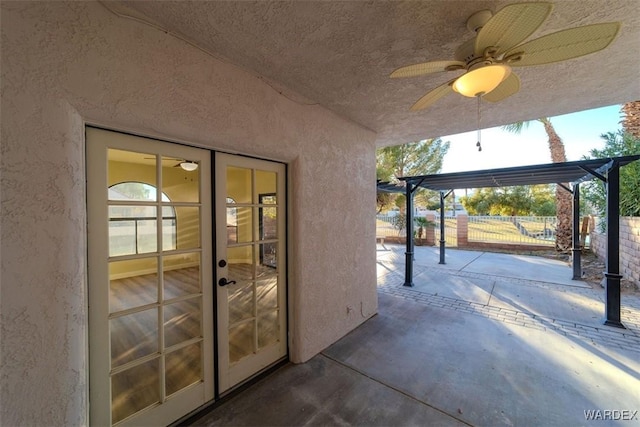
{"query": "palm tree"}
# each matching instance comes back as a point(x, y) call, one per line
point(564, 200)
point(423, 223)
point(631, 120)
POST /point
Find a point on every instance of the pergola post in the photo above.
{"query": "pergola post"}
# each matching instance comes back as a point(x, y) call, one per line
point(408, 263)
point(613, 276)
point(442, 240)
point(577, 249)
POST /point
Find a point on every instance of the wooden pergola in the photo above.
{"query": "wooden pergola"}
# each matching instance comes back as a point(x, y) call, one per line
point(606, 170)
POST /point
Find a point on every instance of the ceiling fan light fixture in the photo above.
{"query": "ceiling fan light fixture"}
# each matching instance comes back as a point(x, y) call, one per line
point(481, 80)
point(188, 165)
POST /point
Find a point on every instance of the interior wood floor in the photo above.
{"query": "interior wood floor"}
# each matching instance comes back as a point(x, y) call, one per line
point(253, 324)
point(253, 319)
point(137, 335)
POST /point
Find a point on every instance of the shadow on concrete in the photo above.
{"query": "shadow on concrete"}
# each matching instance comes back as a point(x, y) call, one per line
point(464, 346)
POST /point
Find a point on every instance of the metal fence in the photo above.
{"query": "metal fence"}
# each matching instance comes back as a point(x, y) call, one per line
point(496, 229)
point(450, 230)
point(390, 225)
point(539, 230)
point(395, 226)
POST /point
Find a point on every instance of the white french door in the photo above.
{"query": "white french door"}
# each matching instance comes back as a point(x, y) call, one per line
point(152, 293)
point(150, 279)
point(251, 266)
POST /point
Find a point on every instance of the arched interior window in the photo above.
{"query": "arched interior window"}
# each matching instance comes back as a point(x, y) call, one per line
point(133, 228)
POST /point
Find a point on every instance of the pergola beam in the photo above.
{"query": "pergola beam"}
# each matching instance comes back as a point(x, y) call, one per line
point(592, 173)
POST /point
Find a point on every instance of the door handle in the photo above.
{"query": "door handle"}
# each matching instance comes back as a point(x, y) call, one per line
point(224, 282)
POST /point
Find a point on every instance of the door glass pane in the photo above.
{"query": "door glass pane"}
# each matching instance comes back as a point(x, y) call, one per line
point(232, 225)
point(147, 237)
point(169, 227)
point(133, 336)
point(244, 224)
point(122, 237)
point(268, 253)
point(135, 389)
point(239, 188)
point(266, 186)
point(131, 212)
point(267, 223)
point(181, 321)
point(268, 329)
point(182, 185)
point(241, 340)
point(132, 230)
point(169, 238)
point(267, 294)
point(183, 368)
point(240, 263)
point(181, 275)
point(134, 191)
point(188, 227)
point(131, 171)
point(241, 303)
point(132, 283)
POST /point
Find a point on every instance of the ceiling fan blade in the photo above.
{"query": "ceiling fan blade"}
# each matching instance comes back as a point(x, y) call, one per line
point(433, 96)
point(511, 26)
point(563, 45)
point(427, 68)
point(508, 87)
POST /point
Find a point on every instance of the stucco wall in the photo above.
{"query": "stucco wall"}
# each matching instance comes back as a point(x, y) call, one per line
point(64, 64)
point(629, 246)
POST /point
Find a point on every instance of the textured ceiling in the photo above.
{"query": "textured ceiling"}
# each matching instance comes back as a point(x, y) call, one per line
point(339, 54)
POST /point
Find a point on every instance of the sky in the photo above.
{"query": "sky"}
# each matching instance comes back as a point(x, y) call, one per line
point(579, 131)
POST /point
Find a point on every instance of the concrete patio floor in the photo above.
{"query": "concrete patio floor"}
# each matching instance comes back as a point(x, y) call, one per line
point(484, 340)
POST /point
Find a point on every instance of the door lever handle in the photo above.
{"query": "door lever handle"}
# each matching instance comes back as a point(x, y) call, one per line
point(224, 282)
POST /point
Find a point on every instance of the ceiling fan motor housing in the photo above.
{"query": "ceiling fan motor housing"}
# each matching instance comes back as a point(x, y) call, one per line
point(478, 20)
point(465, 52)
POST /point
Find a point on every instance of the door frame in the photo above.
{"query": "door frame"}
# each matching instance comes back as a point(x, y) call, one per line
point(287, 273)
point(96, 149)
point(286, 310)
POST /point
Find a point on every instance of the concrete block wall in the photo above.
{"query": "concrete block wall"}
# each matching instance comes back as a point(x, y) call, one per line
point(629, 246)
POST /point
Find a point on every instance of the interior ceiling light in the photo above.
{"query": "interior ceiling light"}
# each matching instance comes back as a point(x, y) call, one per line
point(481, 80)
point(188, 165)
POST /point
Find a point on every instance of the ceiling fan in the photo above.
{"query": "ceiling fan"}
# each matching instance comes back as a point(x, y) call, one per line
point(498, 45)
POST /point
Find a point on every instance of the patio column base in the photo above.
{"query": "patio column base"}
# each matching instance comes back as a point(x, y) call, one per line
point(614, 324)
point(612, 300)
point(576, 263)
point(408, 272)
